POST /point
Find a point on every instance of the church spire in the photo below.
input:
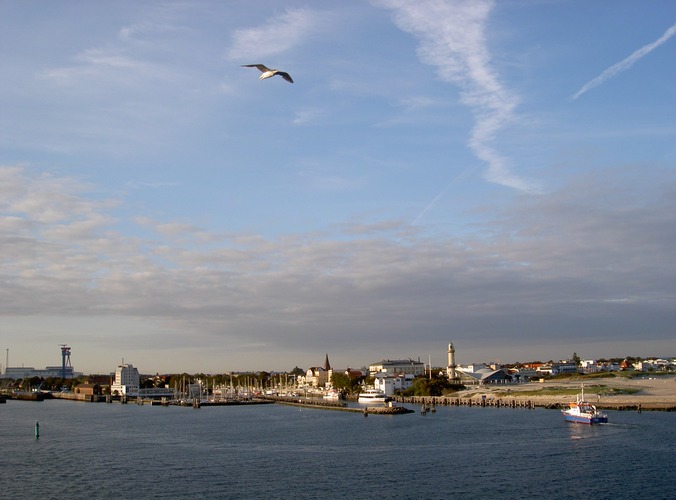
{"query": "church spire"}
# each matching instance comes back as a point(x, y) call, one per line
point(327, 365)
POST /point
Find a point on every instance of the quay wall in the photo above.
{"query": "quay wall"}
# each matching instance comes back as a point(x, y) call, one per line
point(71, 396)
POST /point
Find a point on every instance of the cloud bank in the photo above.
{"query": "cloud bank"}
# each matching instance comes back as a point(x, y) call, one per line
point(569, 267)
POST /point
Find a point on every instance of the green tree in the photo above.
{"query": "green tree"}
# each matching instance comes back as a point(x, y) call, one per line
point(345, 383)
point(424, 386)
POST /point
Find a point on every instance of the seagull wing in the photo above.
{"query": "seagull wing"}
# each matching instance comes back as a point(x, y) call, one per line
point(260, 67)
point(286, 76)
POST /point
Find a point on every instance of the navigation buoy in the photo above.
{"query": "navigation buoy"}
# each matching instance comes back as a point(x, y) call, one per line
point(37, 429)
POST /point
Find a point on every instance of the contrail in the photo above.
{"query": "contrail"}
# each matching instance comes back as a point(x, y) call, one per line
point(627, 63)
point(443, 192)
point(452, 37)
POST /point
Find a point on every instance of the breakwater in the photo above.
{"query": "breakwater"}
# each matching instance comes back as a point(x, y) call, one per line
point(322, 404)
point(432, 401)
point(527, 403)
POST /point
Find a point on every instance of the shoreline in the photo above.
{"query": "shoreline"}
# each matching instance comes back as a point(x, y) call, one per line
point(656, 393)
point(649, 393)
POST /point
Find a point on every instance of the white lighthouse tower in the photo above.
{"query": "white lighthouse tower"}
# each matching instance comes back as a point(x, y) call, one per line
point(450, 370)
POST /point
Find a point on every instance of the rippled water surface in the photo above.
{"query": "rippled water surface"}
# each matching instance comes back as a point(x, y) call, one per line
point(88, 450)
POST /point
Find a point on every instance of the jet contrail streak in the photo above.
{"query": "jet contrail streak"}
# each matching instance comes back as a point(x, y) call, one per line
point(627, 63)
point(443, 192)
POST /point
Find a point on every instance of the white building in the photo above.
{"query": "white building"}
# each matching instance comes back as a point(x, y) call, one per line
point(127, 381)
point(589, 366)
point(319, 376)
point(473, 368)
point(389, 383)
point(49, 372)
point(564, 367)
point(406, 366)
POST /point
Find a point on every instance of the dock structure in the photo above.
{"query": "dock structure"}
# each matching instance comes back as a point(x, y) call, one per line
point(370, 410)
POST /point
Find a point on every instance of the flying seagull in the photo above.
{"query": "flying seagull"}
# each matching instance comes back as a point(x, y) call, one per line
point(267, 72)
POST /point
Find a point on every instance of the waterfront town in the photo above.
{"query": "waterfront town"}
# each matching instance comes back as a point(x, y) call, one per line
point(392, 378)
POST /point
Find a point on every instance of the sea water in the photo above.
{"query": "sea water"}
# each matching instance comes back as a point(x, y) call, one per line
point(88, 450)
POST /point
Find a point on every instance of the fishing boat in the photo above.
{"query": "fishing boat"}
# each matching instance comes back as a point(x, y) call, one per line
point(372, 396)
point(582, 412)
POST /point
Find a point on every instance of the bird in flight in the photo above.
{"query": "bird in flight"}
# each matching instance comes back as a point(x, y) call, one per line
point(267, 72)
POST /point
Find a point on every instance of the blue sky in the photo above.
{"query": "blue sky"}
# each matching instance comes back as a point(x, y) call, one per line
point(496, 174)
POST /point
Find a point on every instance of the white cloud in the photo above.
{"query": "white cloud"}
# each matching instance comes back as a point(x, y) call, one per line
point(307, 115)
point(418, 102)
point(276, 36)
point(108, 68)
point(452, 38)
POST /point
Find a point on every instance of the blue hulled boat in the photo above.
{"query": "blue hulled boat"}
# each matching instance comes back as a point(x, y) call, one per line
point(583, 412)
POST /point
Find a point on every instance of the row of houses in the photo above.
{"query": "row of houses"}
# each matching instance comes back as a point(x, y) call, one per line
point(397, 375)
point(648, 365)
point(594, 366)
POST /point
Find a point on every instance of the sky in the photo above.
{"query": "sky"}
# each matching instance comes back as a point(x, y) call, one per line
point(500, 175)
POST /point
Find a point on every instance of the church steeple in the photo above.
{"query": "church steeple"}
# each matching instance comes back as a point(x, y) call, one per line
point(327, 365)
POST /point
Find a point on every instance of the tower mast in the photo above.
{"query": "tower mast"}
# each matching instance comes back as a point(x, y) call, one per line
point(65, 359)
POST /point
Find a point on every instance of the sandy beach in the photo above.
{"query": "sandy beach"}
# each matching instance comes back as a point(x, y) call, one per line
point(660, 390)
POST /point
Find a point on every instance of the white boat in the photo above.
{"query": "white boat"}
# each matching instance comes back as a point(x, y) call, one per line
point(373, 396)
point(583, 412)
point(332, 395)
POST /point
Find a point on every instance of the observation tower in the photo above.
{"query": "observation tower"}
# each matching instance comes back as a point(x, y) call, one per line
point(65, 360)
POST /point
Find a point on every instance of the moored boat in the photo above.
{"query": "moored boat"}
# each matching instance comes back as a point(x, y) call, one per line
point(372, 396)
point(582, 412)
point(332, 394)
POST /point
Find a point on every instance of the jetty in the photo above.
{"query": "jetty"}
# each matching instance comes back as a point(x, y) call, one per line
point(320, 404)
point(527, 403)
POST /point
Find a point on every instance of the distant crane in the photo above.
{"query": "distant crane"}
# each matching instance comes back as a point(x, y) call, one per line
point(65, 359)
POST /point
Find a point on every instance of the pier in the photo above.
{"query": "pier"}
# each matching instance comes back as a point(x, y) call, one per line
point(321, 404)
point(432, 401)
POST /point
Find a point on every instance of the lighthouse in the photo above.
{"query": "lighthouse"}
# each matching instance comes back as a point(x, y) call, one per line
point(450, 371)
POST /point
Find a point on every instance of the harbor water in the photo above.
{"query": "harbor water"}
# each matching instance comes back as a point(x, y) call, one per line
point(87, 450)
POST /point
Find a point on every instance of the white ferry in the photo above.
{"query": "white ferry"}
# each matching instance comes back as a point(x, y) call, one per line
point(373, 396)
